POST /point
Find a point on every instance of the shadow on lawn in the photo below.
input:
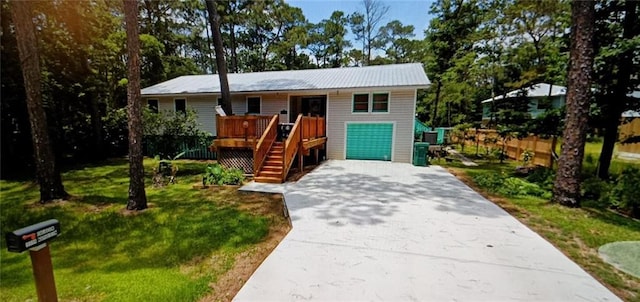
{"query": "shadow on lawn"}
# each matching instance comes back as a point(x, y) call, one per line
point(157, 238)
point(612, 218)
point(367, 197)
point(181, 224)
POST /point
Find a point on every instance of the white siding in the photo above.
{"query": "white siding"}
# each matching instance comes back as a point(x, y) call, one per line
point(239, 104)
point(205, 109)
point(203, 105)
point(274, 103)
point(165, 103)
point(271, 103)
point(401, 111)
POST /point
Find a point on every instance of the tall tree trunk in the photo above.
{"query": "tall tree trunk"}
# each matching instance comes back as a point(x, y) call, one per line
point(96, 119)
point(214, 21)
point(566, 188)
point(617, 105)
point(96, 124)
point(210, 58)
point(137, 195)
point(610, 137)
point(435, 103)
point(368, 46)
point(47, 172)
point(234, 55)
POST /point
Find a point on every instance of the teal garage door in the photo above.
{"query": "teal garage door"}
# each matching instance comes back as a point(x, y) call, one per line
point(369, 141)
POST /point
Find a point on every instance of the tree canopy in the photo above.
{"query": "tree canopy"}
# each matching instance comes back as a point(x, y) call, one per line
point(472, 50)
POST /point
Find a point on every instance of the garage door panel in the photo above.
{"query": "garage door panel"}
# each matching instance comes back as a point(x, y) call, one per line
point(369, 141)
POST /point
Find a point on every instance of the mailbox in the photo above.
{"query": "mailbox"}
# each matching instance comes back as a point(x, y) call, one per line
point(33, 235)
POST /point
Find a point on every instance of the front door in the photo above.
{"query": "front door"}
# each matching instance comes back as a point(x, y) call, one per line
point(307, 105)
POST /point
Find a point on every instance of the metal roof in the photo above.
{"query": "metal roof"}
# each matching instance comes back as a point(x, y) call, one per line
point(405, 75)
point(537, 90)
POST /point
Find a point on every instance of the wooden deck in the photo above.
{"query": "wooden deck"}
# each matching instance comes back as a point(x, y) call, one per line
point(314, 143)
point(249, 143)
point(272, 158)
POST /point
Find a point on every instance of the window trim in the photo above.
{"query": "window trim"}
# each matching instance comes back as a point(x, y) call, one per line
point(388, 102)
point(353, 102)
point(175, 109)
point(157, 105)
point(370, 102)
point(247, 104)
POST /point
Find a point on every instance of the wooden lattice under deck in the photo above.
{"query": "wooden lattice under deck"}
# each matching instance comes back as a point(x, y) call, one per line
point(236, 158)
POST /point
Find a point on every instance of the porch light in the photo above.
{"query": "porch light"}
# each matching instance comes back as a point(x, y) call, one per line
point(245, 125)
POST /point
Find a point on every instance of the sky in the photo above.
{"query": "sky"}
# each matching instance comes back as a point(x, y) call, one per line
point(409, 12)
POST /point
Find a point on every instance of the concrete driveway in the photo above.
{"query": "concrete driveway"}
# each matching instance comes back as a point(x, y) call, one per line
point(365, 230)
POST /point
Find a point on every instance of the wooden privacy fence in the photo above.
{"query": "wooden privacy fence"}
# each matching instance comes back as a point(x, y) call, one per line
point(628, 139)
point(513, 148)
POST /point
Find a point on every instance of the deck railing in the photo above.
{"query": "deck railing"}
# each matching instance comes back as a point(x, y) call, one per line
point(292, 145)
point(269, 135)
point(313, 127)
point(247, 126)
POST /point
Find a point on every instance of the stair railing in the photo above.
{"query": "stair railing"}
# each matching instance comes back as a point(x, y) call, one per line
point(263, 146)
point(291, 146)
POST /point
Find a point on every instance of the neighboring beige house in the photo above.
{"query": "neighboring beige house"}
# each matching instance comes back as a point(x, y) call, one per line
point(369, 111)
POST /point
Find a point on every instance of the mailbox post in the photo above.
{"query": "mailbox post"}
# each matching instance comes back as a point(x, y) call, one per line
point(34, 238)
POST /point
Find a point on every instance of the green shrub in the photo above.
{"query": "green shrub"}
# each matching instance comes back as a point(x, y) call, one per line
point(543, 177)
point(490, 182)
point(598, 190)
point(217, 175)
point(625, 193)
point(589, 159)
point(509, 186)
point(527, 157)
point(514, 186)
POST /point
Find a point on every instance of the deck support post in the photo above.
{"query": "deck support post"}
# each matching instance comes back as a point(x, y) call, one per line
point(317, 154)
point(300, 160)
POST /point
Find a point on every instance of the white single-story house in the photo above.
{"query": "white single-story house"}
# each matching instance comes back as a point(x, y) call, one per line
point(368, 111)
point(535, 94)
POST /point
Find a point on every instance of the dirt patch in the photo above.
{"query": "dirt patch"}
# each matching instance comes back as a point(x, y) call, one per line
point(295, 174)
point(244, 264)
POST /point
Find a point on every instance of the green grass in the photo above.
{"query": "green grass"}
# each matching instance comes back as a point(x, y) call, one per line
point(169, 252)
point(592, 153)
point(577, 232)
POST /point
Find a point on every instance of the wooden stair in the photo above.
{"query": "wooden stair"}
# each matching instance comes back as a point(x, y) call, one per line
point(271, 171)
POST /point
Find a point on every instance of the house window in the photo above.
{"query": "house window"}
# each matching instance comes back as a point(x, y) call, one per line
point(180, 105)
point(380, 102)
point(361, 103)
point(253, 105)
point(152, 105)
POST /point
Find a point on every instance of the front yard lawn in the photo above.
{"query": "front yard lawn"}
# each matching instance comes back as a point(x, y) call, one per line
point(578, 233)
point(177, 250)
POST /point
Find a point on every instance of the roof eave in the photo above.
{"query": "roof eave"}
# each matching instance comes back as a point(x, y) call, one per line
point(419, 86)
